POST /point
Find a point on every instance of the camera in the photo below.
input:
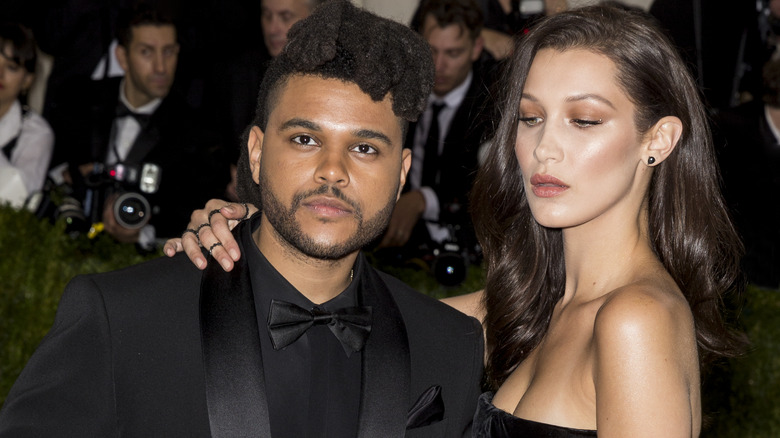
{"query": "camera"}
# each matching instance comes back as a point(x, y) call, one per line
point(130, 182)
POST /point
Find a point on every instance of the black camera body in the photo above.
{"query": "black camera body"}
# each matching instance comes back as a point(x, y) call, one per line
point(131, 183)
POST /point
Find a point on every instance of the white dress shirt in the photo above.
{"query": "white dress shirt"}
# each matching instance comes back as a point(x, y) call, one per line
point(452, 101)
point(127, 128)
point(34, 145)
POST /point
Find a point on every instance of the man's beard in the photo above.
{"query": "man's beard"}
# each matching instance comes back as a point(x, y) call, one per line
point(283, 221)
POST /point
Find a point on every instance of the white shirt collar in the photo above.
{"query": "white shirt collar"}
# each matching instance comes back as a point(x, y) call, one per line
point(455, 96)
point(11, 123)
point(148, 108)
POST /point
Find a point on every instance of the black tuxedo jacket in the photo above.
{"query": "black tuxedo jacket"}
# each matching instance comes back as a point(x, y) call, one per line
point(193, 167)
point(458, 162)
point(140, 352)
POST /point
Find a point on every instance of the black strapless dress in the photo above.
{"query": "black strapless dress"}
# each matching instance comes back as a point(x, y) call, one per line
point(491, 422)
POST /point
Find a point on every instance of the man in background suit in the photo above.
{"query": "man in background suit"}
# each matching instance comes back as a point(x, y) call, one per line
point(136, 120)
point(303, 337)
point(445, 146)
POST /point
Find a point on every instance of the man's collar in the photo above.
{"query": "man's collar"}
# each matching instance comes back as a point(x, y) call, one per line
point(148, 108)
point(454, 98)
point(277, 287)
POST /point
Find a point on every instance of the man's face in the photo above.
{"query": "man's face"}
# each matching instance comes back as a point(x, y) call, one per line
point(330, 166)
point(277, 18)
point(149, 63)
point(454, 52)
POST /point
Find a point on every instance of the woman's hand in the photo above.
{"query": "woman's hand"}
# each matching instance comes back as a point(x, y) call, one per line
point(210, 228)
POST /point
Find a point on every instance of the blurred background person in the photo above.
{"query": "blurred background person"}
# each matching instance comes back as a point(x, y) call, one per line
point(504, 19)
point(748, 141)
point(26, 140)
point(446, 139)
point(136, 123)
point(232, 95)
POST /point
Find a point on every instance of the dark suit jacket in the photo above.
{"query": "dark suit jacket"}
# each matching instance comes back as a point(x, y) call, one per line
point(749, 158)
point(139, 352)
point(193, 169)
point(458, 161)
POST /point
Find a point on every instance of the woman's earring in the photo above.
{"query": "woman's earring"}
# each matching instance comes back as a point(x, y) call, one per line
point(650, 161)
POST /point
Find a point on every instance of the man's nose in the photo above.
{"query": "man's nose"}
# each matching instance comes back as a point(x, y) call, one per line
point(332, 168)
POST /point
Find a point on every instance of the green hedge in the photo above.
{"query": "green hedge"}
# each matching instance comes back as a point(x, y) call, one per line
point(37, 259)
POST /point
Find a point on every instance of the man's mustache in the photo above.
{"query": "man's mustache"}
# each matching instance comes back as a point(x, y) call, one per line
point(323, 190)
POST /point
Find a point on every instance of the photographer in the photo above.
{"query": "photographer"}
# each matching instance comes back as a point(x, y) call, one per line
point(136, 136)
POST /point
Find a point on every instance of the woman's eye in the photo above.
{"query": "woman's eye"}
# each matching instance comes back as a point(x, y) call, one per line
point(365, 149)
point(304, 140)
point(530, 121)
point(582, 123)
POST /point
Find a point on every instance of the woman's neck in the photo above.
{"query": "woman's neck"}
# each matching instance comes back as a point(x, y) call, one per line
point(604, 255)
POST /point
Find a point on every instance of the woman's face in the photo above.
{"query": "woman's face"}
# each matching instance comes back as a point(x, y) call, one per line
point(13, 77)
point(577, 145)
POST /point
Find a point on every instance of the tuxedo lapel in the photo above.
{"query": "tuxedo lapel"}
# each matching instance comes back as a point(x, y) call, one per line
point(235, 386)
point(147, 139)
point(386, 364)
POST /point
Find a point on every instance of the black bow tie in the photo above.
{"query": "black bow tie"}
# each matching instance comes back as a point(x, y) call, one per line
point(123, 111)
point(287, 322)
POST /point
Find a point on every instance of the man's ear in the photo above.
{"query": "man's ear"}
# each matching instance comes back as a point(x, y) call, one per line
point(255, 148)
point(121, 56)
point(406, 163)
point(476, 51)
point(662, 139)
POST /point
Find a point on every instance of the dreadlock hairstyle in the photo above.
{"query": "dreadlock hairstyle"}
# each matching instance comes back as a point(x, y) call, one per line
point(341, 41)
point(689, 226)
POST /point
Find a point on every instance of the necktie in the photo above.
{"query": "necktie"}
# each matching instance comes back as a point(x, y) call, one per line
point(123, 111)
point(287, 322)
point(430, 168)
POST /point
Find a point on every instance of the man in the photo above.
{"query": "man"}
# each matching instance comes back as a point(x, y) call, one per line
point(235, 87)
point(142, 353)
point(137, 122)
point(444, 147)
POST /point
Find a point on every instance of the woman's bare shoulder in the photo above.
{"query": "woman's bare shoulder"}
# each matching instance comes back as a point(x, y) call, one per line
point(470, 304)
point(647, 314)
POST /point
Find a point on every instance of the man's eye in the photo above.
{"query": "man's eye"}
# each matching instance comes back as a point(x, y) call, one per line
point(304, 140)
point(365, 149)
point(530, 121)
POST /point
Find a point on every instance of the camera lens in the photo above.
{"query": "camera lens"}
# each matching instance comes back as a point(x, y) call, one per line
point(73, 215)
point(449, 269)
point(131, 210)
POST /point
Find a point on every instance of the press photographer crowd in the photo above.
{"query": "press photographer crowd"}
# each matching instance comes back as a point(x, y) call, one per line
point(146, 104)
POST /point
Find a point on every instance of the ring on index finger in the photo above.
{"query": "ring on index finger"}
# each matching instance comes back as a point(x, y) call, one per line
point(246, 211)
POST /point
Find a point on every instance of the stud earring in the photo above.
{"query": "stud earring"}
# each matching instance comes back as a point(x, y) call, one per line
point(651, 160)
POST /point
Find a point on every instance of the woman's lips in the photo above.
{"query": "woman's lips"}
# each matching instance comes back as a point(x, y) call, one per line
point(546, 186)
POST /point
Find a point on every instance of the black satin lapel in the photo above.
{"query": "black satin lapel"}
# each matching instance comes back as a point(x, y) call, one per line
point(235, 386)
point(147, 139)
point(386, 364)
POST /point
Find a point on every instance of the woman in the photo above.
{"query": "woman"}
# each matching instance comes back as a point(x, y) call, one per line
point(26, 139)
point(606, 240)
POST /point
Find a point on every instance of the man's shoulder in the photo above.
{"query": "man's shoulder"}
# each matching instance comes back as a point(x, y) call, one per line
point(162, 275)
point(415, 305)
